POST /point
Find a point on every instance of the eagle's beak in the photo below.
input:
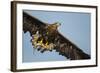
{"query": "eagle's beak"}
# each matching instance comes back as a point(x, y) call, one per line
point(58, 24)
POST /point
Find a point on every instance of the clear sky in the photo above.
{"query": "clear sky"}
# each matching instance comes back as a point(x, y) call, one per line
point(75, 26)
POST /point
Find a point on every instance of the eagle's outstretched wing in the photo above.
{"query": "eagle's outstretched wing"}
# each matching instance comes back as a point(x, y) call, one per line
point(32, 24)
point(57, 42)
point(70, 50)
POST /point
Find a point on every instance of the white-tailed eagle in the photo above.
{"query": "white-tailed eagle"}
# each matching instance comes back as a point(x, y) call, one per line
point(46, 37)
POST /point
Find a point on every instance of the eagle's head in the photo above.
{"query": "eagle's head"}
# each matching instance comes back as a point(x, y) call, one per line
point(56, 24)
point(53, 26)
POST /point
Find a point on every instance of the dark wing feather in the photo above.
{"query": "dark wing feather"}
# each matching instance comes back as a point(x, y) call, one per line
point(32, 24)
point(69, 49)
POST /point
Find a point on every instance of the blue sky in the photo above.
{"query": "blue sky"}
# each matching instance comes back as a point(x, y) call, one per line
point(74, 26)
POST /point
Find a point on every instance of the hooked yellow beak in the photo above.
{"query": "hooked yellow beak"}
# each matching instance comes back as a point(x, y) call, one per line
point(58, 24)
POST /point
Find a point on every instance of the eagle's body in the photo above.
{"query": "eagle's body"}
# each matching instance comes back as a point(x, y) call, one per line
point(45, 37)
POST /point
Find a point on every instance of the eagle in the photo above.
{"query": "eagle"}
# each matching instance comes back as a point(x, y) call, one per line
point(46, 37)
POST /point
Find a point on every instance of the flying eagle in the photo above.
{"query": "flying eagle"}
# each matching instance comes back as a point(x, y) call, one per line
point(46, 37)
